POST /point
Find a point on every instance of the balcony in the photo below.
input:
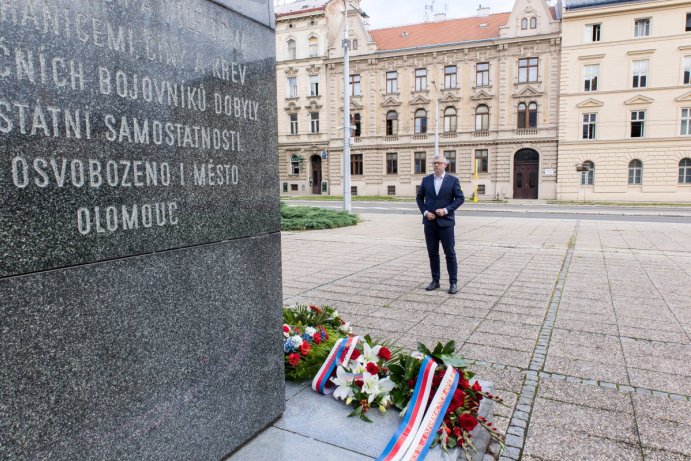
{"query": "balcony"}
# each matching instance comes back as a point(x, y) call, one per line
point(390, 138)
point(356, 140)
point(449, 135)
point(419, 137)
point(481, 134)
point(526, 132)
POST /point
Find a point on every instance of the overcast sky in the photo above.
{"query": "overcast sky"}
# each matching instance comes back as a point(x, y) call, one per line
point(387, 13)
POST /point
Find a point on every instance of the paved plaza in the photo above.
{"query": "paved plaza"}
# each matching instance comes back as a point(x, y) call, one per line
point(583, 326)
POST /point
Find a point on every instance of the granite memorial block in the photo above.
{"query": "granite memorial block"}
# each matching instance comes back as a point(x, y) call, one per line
point(140, 278)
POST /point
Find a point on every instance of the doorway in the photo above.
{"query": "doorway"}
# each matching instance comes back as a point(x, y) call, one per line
point(316, 162)
point(526, 169)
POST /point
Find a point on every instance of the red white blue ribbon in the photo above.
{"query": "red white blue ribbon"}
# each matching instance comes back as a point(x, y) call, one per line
point(340, 354)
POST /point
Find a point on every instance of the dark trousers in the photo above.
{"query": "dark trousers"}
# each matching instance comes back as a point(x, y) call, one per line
point(433, 235)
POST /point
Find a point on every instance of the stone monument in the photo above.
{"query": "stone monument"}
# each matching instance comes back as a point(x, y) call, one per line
point(140, 278)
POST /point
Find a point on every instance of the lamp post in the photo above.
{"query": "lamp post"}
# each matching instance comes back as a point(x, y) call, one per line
point(436, 118)
point(346, 112)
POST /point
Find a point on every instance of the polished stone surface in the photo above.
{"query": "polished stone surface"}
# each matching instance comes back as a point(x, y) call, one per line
point(131, 127)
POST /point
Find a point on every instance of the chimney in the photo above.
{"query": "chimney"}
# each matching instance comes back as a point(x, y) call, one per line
point(439, 17)
point(483, 11)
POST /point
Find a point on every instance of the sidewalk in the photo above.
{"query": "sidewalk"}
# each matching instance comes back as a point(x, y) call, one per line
point(583, 326)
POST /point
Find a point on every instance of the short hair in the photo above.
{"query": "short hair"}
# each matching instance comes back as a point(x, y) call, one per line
point(440, 157)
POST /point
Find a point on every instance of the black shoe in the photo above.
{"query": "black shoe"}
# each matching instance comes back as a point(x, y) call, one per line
point(434, 284)
point(453, 289)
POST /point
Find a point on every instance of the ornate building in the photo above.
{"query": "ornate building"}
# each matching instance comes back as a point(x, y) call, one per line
point(626, 100)
point(494, 77)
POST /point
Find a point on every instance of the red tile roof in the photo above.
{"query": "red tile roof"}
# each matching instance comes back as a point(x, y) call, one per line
point(437, 33)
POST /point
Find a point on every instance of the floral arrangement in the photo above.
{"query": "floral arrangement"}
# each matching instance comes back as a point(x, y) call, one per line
point(309, 333)
point(364, 381)
point(462, 414)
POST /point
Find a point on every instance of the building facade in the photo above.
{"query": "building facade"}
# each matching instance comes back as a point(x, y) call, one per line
point(625, 101)
point(488, 84)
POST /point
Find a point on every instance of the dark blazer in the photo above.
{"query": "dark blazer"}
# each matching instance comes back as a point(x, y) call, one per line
point(450, 197)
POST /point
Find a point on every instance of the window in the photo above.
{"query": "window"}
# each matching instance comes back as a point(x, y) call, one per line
point(482, 118)
point(685, 171)
point(482, 74)
point(291, 49)
point(532, 115)
point(524, 24)
point(482, 159)
point(527, 70)
point(293, 187)
point(293, 123)
point(313, 45)
point(356, 164)
point(638, 124)
point(353, 190)
point(392, 123)
point(420, 121)
point(356, 121)
point(420, 163)
point(522, 116)
point(314, 122)
point(314, 85)
point(450, 77)
point(450, 120)
point(687, 70)
point(588, 177)
point(688, 22)
point(295, 165)
point(640, 74)
point(592, 32)
point(589, 125)
point(392, 82)
point(355, 44)
point(451, 158)
point(533, 23)
point(420, 79)
point(590, 76)
point(392, 163)
point(355, 85)
point(685, 121)
point(292, 87)
point(641, 27)
point(390, 190)
point(635, 171)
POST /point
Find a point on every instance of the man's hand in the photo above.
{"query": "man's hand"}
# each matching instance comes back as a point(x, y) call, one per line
point(441, 212)
point(431, 216)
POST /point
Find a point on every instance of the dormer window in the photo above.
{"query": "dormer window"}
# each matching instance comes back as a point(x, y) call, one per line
point(524, 24)
point(533, 23)
point(355, 44)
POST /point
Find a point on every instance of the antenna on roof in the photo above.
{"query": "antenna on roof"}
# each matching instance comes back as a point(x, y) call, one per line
point(429, 11)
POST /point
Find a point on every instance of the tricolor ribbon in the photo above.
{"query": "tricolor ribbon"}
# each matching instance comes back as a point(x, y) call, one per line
point(340, 354)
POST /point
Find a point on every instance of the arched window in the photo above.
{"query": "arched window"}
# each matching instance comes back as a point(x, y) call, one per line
point(685, 171)
point(294, 164)
point(355, 44)
point(313, 44)
point(420, 121)
point(392, 123)
point(482, 118)
point(356, 124)
point(533, 23)
point(532, 115)
point(588, 177)
point(524, 23)
point(450, 121)
point(291, 49)
point(522, 119)
point(635, 171)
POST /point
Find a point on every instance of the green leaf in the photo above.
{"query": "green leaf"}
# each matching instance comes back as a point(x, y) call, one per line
point(368, 339)
point(453, 360)
point(365, 418)
point(452, 443)
point(422, 348)
point(397, 370)
point(438, 350)
point(450, 347)
point(356, 412)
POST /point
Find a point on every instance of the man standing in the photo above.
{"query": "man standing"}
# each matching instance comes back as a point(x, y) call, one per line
point(438, 198)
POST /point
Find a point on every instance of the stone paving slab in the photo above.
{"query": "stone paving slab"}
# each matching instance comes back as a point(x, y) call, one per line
point(612, 338)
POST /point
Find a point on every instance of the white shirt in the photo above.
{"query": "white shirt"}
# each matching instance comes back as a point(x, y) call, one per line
point(438, 180)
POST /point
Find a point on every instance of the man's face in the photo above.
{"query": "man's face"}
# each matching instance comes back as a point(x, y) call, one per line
point(439, 166)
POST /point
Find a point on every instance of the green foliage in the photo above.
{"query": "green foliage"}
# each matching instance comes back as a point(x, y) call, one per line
point(312, 218)
point(309, 365)
point(311, 316)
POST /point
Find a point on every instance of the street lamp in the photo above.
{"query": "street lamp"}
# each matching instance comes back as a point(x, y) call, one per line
point(436, 118)
point(346, 112)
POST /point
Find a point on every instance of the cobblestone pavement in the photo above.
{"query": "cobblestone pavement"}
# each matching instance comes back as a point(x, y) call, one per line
point(583, 326)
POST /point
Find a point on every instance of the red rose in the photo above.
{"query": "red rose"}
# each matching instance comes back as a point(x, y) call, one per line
point(286, 329)
point(384, 353)
point(355, 354)
point(456, 431)
point(372, 368)
point(305, 348)
point(436, 380)
point(477, 387)
point(458, 397)
point(411, 383)
point(317, 338)
point(467, 422)
point(464, 383)
point(315, 309)
point(359, 383)
point(294, 359)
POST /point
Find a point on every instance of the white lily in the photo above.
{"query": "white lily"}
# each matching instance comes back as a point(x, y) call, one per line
point(345, 328)
point(342, 381)
point(373, 386)
point(417, 355)
point(358, 365)
point(370, 353)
